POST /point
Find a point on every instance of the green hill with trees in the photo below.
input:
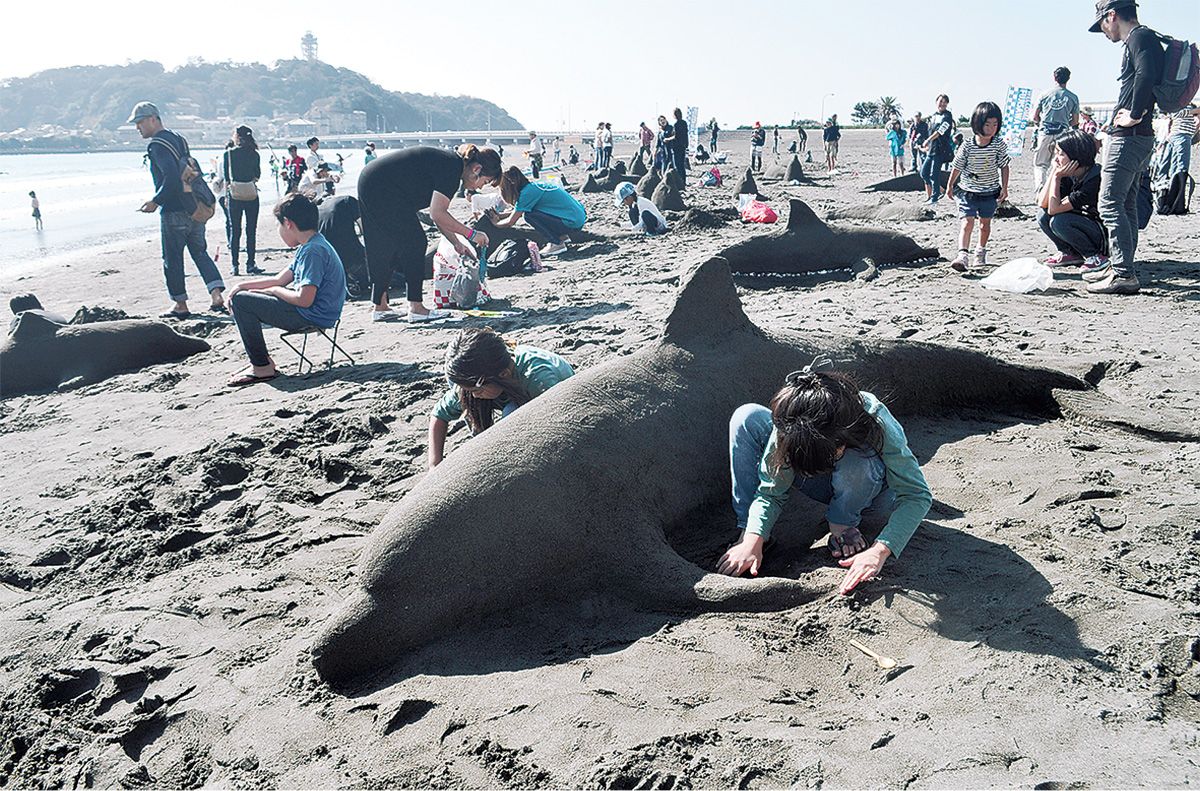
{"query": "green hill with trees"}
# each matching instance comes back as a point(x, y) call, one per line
point(100, 97)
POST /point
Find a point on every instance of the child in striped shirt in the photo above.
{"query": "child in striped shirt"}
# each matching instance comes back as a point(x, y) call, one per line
point(982, 163)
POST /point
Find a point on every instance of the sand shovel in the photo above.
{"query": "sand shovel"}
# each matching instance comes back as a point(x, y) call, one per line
point(885, 662)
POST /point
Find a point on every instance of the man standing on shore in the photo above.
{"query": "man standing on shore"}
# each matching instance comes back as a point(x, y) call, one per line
point(831, 136)
point(179, 230)
point(1131, 143)
point(1057, 111)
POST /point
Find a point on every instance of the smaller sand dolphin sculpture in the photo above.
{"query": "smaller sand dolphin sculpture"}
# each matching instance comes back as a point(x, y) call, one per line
point(910, 182)
point(808, 246)
point(884, 210)
point(41, 354)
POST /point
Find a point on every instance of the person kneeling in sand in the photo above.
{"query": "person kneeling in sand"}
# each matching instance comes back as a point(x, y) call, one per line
point(487, 373)
point(548, 208)
point(849, 452)
point(317, 290)
point(643, 214)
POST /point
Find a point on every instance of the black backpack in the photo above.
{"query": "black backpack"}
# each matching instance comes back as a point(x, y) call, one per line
point(1177, 197)
point(509, 258)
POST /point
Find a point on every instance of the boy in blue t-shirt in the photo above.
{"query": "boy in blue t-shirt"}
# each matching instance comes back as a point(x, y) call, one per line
point(317, 290)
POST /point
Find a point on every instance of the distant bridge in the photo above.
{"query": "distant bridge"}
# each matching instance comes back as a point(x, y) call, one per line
point(449, 139)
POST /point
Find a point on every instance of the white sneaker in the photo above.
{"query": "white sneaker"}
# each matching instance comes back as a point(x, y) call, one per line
point(433, 315)
point(981, 257)
point(961, 262)
point(552, 249)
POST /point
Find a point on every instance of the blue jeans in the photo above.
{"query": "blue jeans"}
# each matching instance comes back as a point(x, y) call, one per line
point(854, 489)
point(251, 310)
point(931, 171)
point(1072, 233)
point(1180, 147)
point(1125, 160)
point(179, 231)
point(549, 226)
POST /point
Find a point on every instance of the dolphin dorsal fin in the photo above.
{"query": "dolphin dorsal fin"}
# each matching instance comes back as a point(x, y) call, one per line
point(707, 304)
point(801, 217)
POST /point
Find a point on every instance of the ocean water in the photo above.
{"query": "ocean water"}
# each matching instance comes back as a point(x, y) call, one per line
point(91, 200)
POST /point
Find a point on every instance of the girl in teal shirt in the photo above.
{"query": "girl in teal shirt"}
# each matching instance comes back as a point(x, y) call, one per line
point(487, 373)
point(848, 451)
point(548, 208)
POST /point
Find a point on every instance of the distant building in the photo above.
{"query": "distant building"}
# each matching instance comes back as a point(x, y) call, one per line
point(308, 46)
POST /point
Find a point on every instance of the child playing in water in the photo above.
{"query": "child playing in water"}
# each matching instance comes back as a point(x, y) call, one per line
point(643, 214)
point(848, 451)
point(982, 162)
point(37, 209)
point(896, 138)
point(486, 373)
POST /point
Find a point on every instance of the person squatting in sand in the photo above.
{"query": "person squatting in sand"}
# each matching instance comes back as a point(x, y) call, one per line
point(848, 452)
point(178, 229)
point(311, 291)
point(548, 208)
point(391, 190)
point(487, 373)
point(1069, 205)
point(982, 163)
point(644, 216)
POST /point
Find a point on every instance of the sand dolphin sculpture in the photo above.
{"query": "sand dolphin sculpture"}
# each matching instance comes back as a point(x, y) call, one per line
point(41, 354)
point(572, 495)
point(910, 182)
point(808, 246)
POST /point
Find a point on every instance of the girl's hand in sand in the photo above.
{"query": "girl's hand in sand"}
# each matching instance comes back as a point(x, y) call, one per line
point(745, 555)
point(863, 566)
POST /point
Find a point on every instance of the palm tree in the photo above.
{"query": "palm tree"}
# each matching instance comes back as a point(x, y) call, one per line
point(888, 108)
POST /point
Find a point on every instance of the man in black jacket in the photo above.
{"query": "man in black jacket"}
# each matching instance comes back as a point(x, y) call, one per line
point(1130, 145)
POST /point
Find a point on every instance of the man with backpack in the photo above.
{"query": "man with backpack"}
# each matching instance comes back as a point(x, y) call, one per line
point(1131, 142)
point(167, 152)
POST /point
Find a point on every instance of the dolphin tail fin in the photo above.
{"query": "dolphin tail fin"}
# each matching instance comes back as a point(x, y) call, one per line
point(707, 304)
point(801, 217)
point(668, 581)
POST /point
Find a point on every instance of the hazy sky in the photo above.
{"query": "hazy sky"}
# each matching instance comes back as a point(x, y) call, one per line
point(617, 60)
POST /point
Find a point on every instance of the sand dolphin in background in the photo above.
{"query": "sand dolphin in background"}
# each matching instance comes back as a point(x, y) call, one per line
point(808, 246)
point(41, 355)
point(572, 495)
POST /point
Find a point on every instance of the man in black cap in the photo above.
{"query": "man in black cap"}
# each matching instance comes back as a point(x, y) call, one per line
point(1131, 143)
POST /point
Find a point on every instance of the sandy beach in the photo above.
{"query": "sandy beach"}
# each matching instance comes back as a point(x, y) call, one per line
point(172, 547)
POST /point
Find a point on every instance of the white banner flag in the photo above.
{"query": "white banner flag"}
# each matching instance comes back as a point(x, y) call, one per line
point(1016, 118)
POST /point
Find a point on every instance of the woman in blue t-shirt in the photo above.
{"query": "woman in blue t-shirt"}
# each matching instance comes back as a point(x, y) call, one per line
point(548, 208)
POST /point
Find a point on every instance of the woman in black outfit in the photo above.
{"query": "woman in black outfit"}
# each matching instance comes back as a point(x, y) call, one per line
point(391, 190)
point(241, 184)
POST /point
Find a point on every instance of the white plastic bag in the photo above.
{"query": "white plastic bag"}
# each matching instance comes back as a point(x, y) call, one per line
point(446, 265)
point(1020, 277)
